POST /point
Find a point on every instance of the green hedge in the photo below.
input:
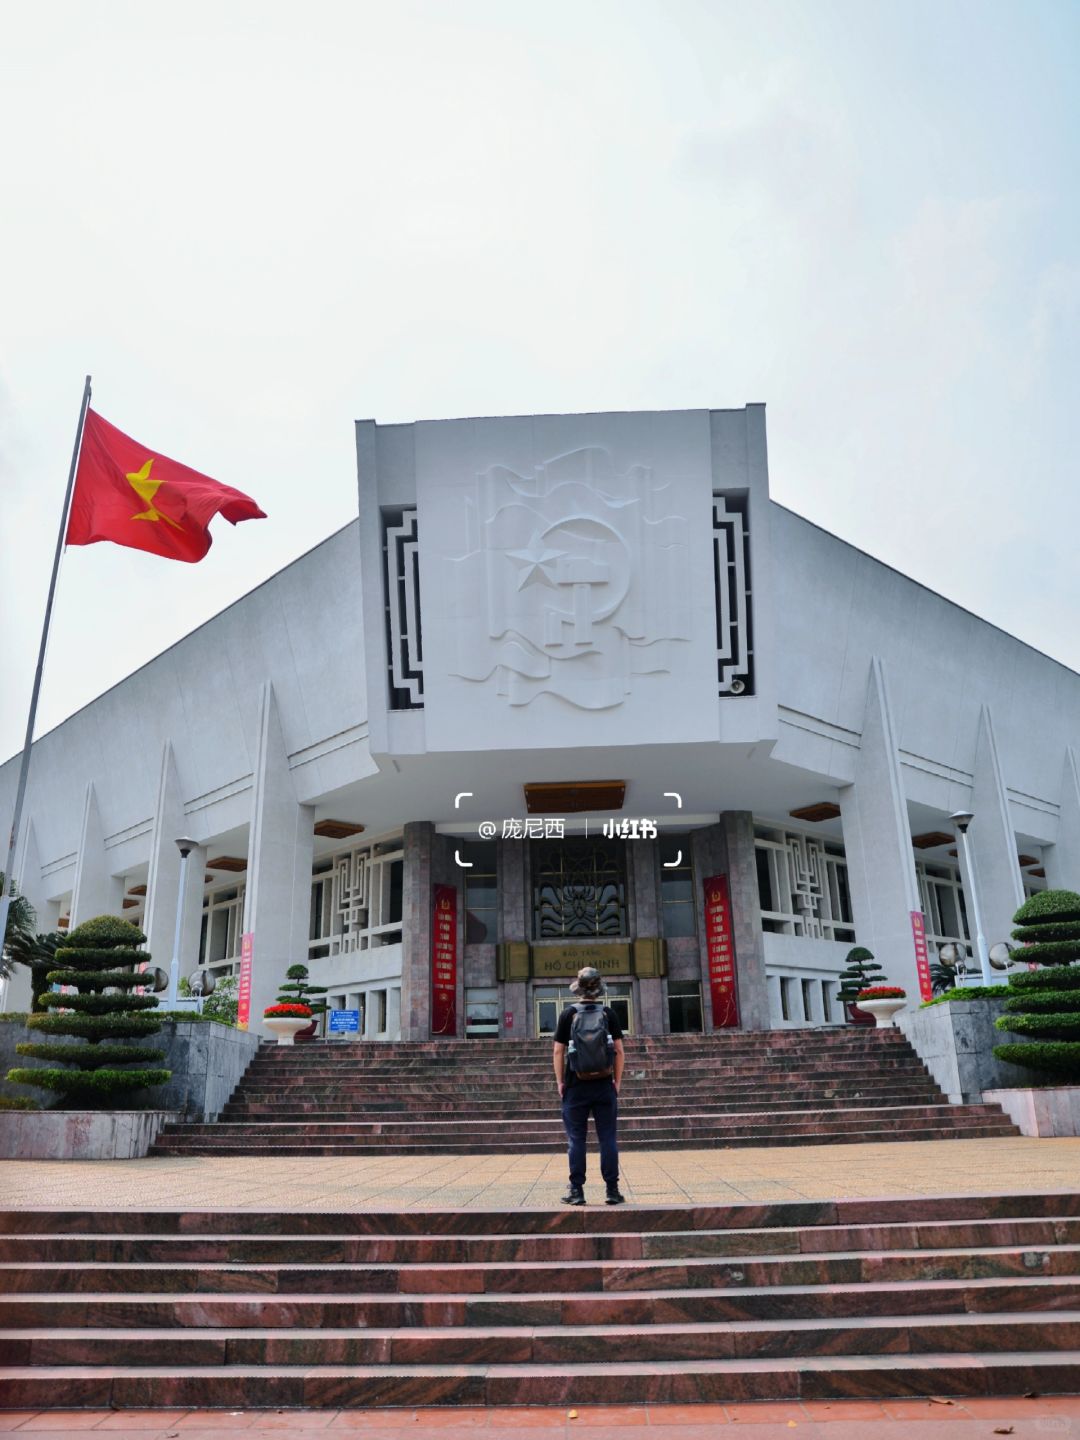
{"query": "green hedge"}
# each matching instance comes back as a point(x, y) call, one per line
point(111, 933)
point(14, 1017)
point(96, 1027)
point(1062, 1025)
point(1036, 934)
point(89, 1057)
point(1057, 977)
point(95, 1004)
point(1054, 952)
point(99, 979)
point(95, 1083)
point(18, 1102)
point(1057, 1057)
point(1048, 905)
point(1043, 1002)
point(90, 955)
point(968, 992)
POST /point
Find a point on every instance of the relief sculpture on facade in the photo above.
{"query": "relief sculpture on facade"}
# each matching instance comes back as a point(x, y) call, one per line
point(573, 582)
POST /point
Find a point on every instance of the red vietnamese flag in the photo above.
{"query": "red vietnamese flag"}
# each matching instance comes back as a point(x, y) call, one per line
point(134, 496)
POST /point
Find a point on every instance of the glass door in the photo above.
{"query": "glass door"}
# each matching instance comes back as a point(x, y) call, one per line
point(549, 1001)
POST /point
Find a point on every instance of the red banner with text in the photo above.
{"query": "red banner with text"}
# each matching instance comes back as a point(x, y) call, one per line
point(922, 956)
point(243, 989)
point(721, 951)
point(444, 965)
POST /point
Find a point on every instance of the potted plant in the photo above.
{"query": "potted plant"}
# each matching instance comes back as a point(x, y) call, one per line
point(298, 990)
point(284, 1020)
point(882, 1001)
point(862, 970)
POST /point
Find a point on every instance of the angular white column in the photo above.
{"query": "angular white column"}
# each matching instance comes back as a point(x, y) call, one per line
point(164, 876)
point(877, 842)
point(997, 879)
point(277, 901)
point(96, 891)
point(1062, 862)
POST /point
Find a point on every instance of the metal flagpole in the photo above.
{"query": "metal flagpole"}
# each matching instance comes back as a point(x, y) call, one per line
point(20, 792)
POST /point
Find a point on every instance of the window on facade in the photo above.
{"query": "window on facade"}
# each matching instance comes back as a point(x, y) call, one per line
point(579, 888)
point(684, 1006)
point(943, 904)
point(803, 885)
point(357, 900)
point(221, 927)
point(481, 892)
point(678, 913)
point(482, 1012)
point(380, 1012)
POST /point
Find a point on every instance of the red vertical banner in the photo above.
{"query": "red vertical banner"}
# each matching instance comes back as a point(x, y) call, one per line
point(721, 952)
point(922, 957)
point(243, 989)
point(444, 962)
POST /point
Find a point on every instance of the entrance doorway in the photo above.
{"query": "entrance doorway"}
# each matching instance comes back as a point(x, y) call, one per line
point(549, 1001)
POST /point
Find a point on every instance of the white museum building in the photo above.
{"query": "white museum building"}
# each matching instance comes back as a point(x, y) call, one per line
point(570, 689)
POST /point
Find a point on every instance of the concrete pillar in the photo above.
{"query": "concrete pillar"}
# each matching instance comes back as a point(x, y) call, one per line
point(877, 842)
point(393, 1013)
point(728, 849)
point(277, 901)
point(1062, 859)
point(163, 879)
point(997, 879)
point(515, 917)
point(96, 891)
point(643, 863)
point(416, 931)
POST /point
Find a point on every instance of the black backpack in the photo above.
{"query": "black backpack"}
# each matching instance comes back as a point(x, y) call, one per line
point(591, 1047)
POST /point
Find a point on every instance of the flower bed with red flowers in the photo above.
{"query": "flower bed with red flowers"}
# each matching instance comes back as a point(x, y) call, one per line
point(881, 992)
point(288, 1012)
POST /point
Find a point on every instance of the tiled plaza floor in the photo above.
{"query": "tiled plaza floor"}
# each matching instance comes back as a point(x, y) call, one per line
point(1034, 1418)
point(653, 1177)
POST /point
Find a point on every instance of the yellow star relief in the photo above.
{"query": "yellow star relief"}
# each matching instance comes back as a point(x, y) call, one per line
point(146, 489)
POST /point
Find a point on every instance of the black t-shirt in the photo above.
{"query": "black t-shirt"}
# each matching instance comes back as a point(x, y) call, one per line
point(562, 1033)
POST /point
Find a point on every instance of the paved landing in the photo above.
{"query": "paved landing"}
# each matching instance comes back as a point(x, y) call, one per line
point(1009, 1165)
point(1034, 1418)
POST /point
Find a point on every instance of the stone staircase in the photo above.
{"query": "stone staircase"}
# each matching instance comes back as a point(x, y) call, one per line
point(721, 1303)
point(794, 1087)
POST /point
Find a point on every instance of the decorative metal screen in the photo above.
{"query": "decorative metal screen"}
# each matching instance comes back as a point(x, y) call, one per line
point(403, 629)
point(734, 619)
point(579, 889)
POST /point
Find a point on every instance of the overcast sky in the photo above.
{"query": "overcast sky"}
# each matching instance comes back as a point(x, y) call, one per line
point(253, 223)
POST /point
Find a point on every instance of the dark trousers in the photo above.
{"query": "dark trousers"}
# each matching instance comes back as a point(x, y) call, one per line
point(598, 1099)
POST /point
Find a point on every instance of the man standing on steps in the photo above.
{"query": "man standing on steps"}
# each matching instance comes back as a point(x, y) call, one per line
point(588, 1060)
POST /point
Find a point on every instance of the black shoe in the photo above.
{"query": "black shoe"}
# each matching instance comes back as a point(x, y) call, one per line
point(614, 1196)
point(574, 1196)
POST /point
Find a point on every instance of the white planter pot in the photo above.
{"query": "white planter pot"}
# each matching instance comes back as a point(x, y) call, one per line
point(285, 1026)
point(883, 1011)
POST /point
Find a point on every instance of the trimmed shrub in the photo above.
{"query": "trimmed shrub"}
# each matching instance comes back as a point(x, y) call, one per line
point(98, 958)
point(297, 990)
point(1045, 1003)
point(969, 992)
point(862, 971)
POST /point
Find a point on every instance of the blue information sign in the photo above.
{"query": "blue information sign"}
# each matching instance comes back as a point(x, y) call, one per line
point(344, 1020)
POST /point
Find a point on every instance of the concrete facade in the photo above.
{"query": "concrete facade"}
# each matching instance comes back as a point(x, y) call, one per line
point(560, 601)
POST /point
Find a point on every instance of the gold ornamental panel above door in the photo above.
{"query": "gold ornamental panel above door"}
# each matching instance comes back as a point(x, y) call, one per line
point(518, 960)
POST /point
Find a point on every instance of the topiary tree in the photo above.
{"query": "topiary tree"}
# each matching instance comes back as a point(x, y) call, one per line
point(1044, 1004)
point(100, 959)
point(297, 990)
point(862, 970)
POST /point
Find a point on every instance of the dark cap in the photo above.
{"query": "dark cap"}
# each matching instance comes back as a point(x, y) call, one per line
point(589, 983)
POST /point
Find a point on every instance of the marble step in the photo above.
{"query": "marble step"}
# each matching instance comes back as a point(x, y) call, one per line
point(544, 1345)
point(244, 1310)
point(530, 1277)
point(549, 1247)
point(675, 1381)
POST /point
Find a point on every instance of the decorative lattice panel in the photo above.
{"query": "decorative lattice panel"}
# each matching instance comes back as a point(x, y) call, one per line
point(806, 862)
point(404, 641)
point(351, 889)
point(734, 619)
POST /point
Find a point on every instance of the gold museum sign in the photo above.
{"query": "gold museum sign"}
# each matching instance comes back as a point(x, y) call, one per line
point(518, 960)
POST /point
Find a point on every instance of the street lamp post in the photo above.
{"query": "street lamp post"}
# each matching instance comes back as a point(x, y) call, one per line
point(185, 845)
point(961, 819)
